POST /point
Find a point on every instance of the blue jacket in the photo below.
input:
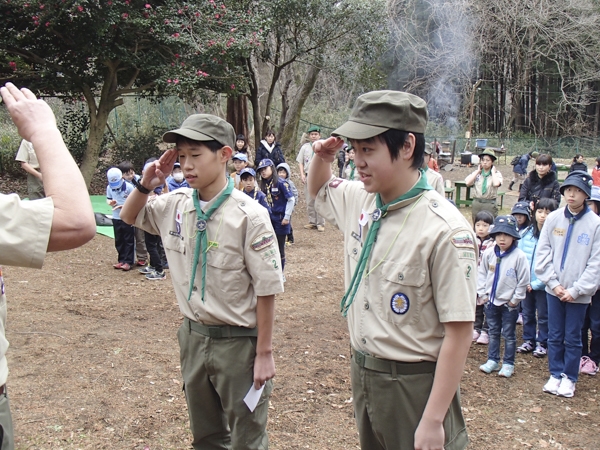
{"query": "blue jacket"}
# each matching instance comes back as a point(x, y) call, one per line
point(521, 166)
point(281, 200)
point(257, 195)
point(175, 185)
point(528, 243)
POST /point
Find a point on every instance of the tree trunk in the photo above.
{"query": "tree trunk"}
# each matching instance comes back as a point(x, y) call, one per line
point(290, 131)
point(254, 101)
point(237, 113)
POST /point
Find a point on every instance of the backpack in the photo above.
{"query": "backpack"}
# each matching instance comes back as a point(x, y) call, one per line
point(515, 160)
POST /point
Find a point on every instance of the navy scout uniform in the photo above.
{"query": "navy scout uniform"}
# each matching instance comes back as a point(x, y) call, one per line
point(218, 336)
point(24, 237)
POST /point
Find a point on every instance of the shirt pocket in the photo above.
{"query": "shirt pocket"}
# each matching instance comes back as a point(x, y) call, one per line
point(224, 275)
point(401, 290)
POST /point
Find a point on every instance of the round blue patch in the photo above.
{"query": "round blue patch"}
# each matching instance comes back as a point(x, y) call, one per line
point(400, 303)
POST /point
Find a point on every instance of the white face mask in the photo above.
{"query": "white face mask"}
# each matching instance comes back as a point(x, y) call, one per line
point(178, 177)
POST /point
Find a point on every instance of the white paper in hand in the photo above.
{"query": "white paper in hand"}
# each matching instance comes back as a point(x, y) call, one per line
point(252, 397)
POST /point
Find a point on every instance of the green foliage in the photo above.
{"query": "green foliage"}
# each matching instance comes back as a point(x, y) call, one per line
point(9, 145)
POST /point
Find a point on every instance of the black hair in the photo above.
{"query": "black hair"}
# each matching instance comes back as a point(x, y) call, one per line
point(544, 160)
point(527, 220)
point(240, 137)
point(246, 175)
point(263, 181)
point(577, 156)
point(483, 216)
point(395, 139)
point(598, 160)
point(213, 146)
point(269, 132)
point(543, 203)
point(125, 166)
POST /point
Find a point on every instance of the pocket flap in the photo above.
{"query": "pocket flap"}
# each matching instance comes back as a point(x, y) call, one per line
point(403, 274)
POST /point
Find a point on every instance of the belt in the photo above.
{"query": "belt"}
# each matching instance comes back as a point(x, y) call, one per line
point(220, 331)
point(392, 367)
point(485, 200)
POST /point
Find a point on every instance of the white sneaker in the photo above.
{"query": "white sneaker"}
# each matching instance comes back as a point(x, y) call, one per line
point(551, 387)
point(566, 388)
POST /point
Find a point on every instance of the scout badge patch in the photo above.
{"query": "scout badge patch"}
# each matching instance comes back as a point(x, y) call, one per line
point(400, 303)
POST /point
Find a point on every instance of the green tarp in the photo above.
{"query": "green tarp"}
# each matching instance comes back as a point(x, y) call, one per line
point(100, 206)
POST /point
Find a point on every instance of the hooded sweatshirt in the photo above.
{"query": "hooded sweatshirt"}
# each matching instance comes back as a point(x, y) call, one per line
point(513, 276)
point(579, 271)
point(289, 180)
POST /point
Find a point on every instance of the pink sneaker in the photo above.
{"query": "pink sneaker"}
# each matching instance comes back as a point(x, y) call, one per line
point(588, 366)
point(475, 335)
point(483, 339)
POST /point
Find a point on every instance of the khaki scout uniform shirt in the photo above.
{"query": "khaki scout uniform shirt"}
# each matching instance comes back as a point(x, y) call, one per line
point(242, 264)
point(305, 156)
point(436, 181)
point(24, 234)
point(27, 154)
point(423, 273)
point(492, 191)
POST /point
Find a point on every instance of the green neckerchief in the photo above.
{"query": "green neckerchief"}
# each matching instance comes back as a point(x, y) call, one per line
point(201, 238)
point(485, 177)
point(376, 216)
point(353, 166)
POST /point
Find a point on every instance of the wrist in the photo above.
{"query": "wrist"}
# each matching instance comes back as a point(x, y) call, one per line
point(140, 187)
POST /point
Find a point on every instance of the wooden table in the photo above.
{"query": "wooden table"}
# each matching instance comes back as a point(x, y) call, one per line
point(458, 200)
point(468, 200)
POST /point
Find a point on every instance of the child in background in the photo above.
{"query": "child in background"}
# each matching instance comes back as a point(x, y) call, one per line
point(117, 192)
point(269, 148)
point(535, 300)
point(141, 253)
point(578, 164)
point(568, 263)
point(240, 161)
point(241, 146)
point(502, 283)
point(281, 200)
point(590, 354)
point(248, 183)
point(483, 221)
point(522, 213)
point(285, 173)
point(176, 179)
point(596, 173)
point(350, 172)
point(341, 159)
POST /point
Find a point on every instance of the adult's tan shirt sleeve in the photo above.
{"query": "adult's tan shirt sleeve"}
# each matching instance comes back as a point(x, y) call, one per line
point(24, 230)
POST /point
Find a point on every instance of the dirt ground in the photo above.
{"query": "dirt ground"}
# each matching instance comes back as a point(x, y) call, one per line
point(94, 361)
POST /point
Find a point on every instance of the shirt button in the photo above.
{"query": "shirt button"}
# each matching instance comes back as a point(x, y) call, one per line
point(195, 288)
point(434, 204)
point(243, 204)
point(363, 340)
point(400, 277)
point(367, 305)
point(354, 251)
point(197, 316)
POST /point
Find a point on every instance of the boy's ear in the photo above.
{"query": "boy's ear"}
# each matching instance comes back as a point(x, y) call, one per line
point(407, 150)
point(226, 153)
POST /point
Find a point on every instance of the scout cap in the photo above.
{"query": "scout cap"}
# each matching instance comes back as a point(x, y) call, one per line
point(506, 225)
point(177, 165)
point(490, 153)
point(203, 127)
point(521, 208)
point(264, 163)
point(579, 179)
point(314, 128)
point(247, 170)
point(428, 148)
point(535, 154)
point(114, 176)
point(241, 157)
point(376, 112)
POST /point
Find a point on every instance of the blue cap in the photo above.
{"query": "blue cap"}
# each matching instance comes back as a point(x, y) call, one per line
point(241, 156)
point(521, 208)
point(507, 225)
point(114, 176)
point(247, 170)
point(595, 194)
point(265, 163)
point(579, 179)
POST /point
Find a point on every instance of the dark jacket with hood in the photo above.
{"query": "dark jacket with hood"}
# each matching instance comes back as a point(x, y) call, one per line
point(275, 155)
point(534, 187)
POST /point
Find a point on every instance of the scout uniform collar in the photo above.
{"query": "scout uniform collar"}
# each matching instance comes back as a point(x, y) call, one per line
point(202, 238)
point(380, 212)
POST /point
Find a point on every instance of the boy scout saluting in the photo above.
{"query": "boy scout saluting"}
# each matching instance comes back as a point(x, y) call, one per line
point(225, 267)
point(411, 276)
